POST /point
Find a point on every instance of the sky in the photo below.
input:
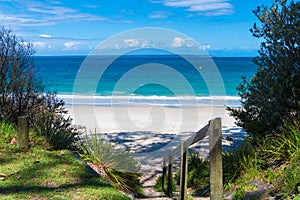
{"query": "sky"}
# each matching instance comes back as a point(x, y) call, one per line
point(74, 27)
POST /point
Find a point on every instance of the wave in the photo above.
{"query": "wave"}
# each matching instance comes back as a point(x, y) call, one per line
point(165, 101)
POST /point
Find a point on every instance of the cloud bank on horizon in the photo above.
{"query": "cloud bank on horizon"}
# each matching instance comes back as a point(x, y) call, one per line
point(61, 27)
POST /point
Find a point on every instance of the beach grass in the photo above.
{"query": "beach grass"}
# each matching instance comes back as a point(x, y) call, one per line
point(41, 174)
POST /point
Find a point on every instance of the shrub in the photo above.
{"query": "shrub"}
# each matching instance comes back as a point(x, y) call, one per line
point(273, 93)
point(52, 122)
point(119, 166)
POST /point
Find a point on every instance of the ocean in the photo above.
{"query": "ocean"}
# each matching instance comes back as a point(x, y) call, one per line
point(149, 79)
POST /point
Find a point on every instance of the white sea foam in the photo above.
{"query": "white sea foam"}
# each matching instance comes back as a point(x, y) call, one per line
point(165, 101)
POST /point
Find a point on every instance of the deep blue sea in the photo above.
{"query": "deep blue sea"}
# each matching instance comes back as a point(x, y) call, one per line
point(149, 79)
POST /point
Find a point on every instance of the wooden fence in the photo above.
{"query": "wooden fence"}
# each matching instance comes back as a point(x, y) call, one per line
point(214, 130)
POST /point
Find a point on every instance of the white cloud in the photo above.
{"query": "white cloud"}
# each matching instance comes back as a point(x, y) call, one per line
point(182, 42)
point(131, 42)
point(177, 42)
point(71, 45)
point(36, 13)
point(159, 14)
point(45, 36)
point(205, 7)
point(41, 45)
point(210, 6)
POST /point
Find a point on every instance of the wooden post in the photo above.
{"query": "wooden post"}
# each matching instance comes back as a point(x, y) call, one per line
point(183, 172)
point(23, 132)
point(215, 159)
point(164, 176)
point(170, 176)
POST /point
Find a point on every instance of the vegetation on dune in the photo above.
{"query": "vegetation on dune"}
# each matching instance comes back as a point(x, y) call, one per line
point(272, 94)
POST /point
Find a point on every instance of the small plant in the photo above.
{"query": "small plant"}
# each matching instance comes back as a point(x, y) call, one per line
point(282, 152)
point(198, 173)
point(7, 132)
point(53, 123)
point(235, 161)
point(119, 166)
point(158, 184)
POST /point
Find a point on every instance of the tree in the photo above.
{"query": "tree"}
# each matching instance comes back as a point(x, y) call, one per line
point(22, 93)
point(19, 87)
point(273, 93)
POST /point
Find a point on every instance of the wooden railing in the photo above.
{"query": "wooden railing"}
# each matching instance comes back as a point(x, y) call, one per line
point(214, 130)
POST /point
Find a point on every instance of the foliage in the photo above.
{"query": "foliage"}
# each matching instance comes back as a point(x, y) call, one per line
point(273, 93)
point(283, 152)
point(19, 87)
point(236, 161)
point(158, 185)
point(42, 174)
point(198, 173)
point(280, 147)
point(53, 123)
point(120, 168)
point(7, 132)
point(275, 161)
point(21, 93)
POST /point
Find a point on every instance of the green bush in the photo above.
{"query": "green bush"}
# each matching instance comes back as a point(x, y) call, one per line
point(52, 122)
point(271, 96)
point(120, 168)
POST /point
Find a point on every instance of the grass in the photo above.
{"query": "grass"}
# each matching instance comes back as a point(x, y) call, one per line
point(274, 162)
point(41, 174)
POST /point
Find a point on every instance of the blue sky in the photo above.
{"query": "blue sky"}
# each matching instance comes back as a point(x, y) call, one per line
point(73, 27)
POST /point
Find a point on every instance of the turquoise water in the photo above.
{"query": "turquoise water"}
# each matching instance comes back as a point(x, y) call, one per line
point(147, 78)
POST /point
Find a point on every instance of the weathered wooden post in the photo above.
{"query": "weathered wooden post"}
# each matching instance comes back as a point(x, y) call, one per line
point(23, 132)
point(183, 172)
point(215, 159)
point(170, 176)
point(164, 176)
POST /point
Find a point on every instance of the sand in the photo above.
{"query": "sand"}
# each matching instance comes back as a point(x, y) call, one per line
point(150, 132)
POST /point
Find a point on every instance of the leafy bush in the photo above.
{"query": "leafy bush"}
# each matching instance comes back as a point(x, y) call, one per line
point(120, 168)
point(273, 93)
point(52, 122)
